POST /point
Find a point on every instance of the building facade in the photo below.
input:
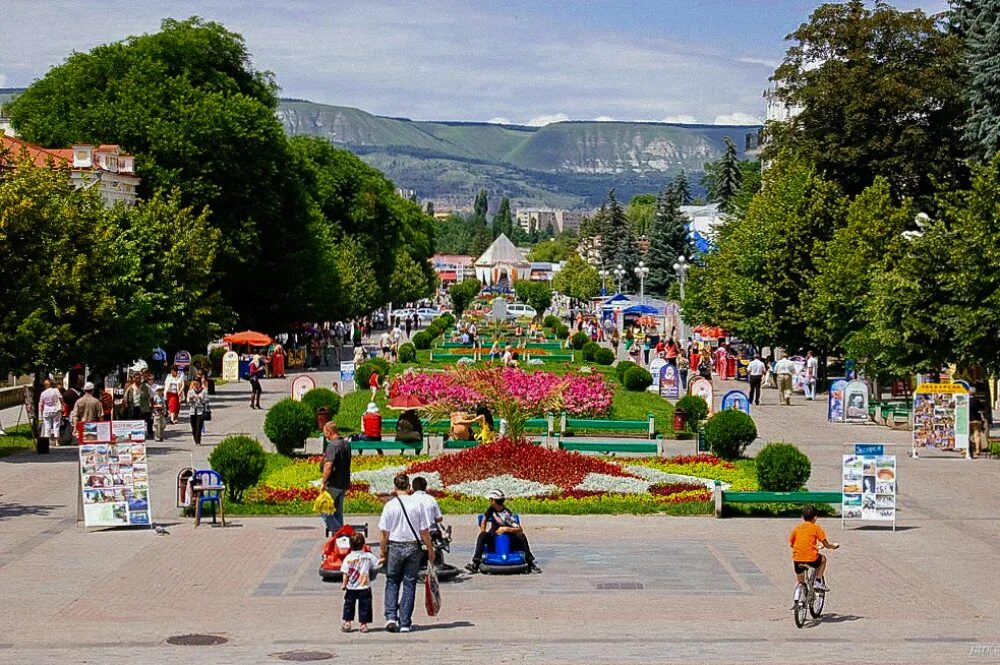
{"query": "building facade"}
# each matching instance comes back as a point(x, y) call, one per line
point(540, 219)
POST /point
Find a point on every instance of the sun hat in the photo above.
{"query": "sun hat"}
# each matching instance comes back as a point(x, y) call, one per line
point(372, 407)
point(88, 386)
point(496, 495)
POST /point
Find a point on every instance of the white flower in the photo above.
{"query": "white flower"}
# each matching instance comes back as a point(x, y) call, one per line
point(465, 360)
point(536, 361)
point(602, 482)
point(657, 477)
point(380, 480)
point(508, 484)
point(586, 369)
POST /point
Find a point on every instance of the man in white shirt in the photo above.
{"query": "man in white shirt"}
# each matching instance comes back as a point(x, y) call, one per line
point(385, 343)
point(403, 525)
point(755, 376)
point(812, 369)
point(784, 369)
point(428, 504)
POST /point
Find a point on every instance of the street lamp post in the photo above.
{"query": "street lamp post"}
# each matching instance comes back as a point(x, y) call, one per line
point(620, 273)
point(642, 272)
point(604, 280)
point(681, 267)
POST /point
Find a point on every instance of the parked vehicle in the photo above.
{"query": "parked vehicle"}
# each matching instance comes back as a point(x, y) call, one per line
point(518, 310)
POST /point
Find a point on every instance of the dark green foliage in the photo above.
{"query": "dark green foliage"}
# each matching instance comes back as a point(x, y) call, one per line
point(422, 340)
point(407, 353)
point(201, 361)
point(729, 433)
point(668, 240)
point(683, 188)
point(619, 246)
point(503, 222)
point(240, 460)
point(636, 378)
point(623, 367)
point(364, 371)
point(535, 294)
point(590, 350)
point(215, 358)
point(288, 424)
point(550, 321)
point(579, 340)
point(724, 177)
point(781, 467)
point(976, 21)
point(562, 331)
point(604, 356)
point(462, 294)
point(320, 397)
point(695, 408)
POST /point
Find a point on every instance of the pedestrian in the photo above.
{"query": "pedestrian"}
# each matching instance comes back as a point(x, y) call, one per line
point(50, 410)
point(812, 369)
point(373, 383)
point(336, 474)
point(159, 413)
point(254, 373)
point(197, 399)
point(87, 409)
point(159, 363)
point(403, 526)
point(755, 376)
point(409, 327)
point(432, 511)
point(173, 386)
point(682, 369)
point(722, 362)
point(784, 369)
point(357, 570)
point(645, 350)
point(385, 344)
point(278, 362)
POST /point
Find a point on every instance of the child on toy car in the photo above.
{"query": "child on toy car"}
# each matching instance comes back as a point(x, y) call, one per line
point(498, 519)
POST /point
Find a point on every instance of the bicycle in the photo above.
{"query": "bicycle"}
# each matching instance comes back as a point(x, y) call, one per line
point(806, 596)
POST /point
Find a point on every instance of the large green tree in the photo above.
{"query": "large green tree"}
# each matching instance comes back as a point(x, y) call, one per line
point(880, 94)
point(535, 294)
point(668, 240)
point(723, 179)
point(619, 246)
point(640, 211)
point(577, 279)
point(976, 21)
point(503, 222)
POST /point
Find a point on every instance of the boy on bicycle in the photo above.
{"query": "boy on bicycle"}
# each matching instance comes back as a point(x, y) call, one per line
point(805, 553)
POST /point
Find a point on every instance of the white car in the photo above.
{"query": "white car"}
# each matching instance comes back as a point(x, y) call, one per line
point(518, 310)
point(427, 313)
point(403, 314)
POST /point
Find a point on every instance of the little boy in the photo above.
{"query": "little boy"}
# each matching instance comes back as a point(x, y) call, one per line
point(159, 406)
point(805, 553)
point(358, 569)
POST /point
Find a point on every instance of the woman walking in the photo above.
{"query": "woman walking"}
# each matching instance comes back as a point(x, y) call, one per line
point(197, 399)
point(255, 371)
point(173, 387)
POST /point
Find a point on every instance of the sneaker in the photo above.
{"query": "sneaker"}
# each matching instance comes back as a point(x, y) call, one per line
point(472, 567)
point(392, 626)
point(532, 567)
point(820, 585)
point(404, 629)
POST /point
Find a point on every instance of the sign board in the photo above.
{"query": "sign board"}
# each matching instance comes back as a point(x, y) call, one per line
point(347, 371)
point(128, 431)
point(742, 369)
point(114, 483)
point(940, 417)
point(869, 485)
point(835, 401)
point(231, 366)
point(799, 374)
point(301, 385)
point(703, 388)
point(654, 368)
point(182, 359)
point(736, 400)
point(856, 402)
point(669, 385)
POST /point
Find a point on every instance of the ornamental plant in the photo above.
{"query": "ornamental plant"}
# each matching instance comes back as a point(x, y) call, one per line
point(781, 467)
point(606, 357)
point(729, 433)
point(240, 460)
point(422, 340)
point(364, 371)
point(637, 379)
point(550, 321)
point(407, 353)
point(590, 350)
point(579, 340)
point(287, 424)
point(318, 398)
point(695, 407)
point(623, 367)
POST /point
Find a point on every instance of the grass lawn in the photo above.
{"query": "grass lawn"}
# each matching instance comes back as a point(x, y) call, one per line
point(18, 440)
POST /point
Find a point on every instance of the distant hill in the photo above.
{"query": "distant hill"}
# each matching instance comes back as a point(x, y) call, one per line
point(566, 164)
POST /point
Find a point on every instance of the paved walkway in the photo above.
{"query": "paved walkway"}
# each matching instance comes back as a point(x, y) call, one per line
point(615, 589)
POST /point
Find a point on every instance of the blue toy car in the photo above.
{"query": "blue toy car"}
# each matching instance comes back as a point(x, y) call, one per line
point(498, 559)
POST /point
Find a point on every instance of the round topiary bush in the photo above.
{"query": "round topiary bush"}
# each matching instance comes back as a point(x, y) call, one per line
point(590, 350)
point(781, 467)
point(364, 371)
point(215, 357)
point(407, 353)
point(636, 378)
point(579, 340)
point(562, 331)
point(317, 398)
point(550, 321)
point(623, 367)
point(448, 318)
point(240, 460)
point(422, 340)
point(729, 432)
point(287, 424)
point(695, 407)
point(606, 356)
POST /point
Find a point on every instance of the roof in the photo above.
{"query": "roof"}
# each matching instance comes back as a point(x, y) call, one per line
point(501, 251)
point(39, 156)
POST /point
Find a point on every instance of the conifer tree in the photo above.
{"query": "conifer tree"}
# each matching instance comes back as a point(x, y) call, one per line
point(619, 246)
point(683, 188)
point(977, 21)
point(728, 178)
point(502, 221)
point(668, 239)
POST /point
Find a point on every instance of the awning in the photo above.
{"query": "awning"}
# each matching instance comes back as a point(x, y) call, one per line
point(250, 337)
point(641, 309)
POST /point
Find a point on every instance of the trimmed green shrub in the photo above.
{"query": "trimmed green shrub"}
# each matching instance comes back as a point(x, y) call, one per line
point(201, 361)
point(636, 378)
point(695, 407)
point(579, 340)
point(781, 467)
point(287, 424)
point(590, 350)
point(240, 460)
point(448, 318)
point(422, 340)
point(550, 321)
point(215, 357)
point(364, 371)
point(562, 331)
point(606, 356)
point(729, 432)
point(320, 397)
point(623, 367)
point(407, 353)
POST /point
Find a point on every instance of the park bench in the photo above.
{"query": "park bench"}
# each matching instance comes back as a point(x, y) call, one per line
point(379, 446)
point(647, 427)
point(459, 444)
point(724, 497)
point(545, 424)
point(612, 447)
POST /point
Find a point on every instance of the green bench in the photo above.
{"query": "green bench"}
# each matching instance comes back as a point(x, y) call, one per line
point(612, 447)
point(438, 426)
point(384, 444)
point(723, 497)
point(647, 427)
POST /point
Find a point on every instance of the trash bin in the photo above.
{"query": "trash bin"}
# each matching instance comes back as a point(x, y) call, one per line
point(702, 443)
point(680, 420)
point(322, 417)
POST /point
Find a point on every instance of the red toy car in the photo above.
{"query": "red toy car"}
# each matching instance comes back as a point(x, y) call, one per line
point(338, 547)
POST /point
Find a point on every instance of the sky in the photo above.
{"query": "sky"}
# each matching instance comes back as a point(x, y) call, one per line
point(514, 61)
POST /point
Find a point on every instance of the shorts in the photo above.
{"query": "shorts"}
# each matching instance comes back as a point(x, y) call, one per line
point(51, 423)
point(803, 566)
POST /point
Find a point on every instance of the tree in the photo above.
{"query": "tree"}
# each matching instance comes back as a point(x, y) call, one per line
point(550, 251)
point(462, 294)
point(723, 179)
point(976, 22)
point(502, 221)
point(409, 283)
point(640, 211)
point(619, 246)
point(535, 294)
point(454, 235)
point(480, 207)
point(880, 93)
point(359, 290)
point(668, 240)
point(577, 279)
point(481, 240)
point(683, 188)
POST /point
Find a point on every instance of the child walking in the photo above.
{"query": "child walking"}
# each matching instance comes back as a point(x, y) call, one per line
point(358, 568)
point(159, 413)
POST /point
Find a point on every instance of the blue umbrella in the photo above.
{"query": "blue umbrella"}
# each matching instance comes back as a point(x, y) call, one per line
point(641, 309)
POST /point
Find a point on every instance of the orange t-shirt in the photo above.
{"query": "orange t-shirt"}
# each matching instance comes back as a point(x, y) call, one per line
point(803, 540)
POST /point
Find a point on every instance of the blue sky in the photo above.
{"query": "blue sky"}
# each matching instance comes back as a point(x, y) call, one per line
point(520, 61)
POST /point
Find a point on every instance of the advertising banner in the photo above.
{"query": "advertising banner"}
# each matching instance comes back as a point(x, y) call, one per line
point(114, 481)
point(856, 402)
point(940, 417)
point(869, 484)
point(654, 369)
point(301, 385)
point(231, 366)
point(703, 388)
point(182, 359)
point(346, 371)
point(736, 400)
point(670, 383)
point(835, 401)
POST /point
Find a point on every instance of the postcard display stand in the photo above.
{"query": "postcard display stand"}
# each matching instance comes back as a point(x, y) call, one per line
point(869, 484)
point(114, 474)
point(941, 418)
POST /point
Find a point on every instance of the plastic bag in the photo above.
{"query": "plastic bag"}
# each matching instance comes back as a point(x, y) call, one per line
point(324, 503)
point(432, 592)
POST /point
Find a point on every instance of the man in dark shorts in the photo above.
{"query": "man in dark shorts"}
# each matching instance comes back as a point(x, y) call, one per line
point(336, 474)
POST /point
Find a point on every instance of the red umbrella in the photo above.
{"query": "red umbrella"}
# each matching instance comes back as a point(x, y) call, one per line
point(406, 402)
point(250, 337)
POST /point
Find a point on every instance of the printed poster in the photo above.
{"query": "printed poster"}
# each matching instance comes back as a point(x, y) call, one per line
point(869, 485)
point(703, 388)
point(856, 402)
point(128, 430)
point(301, 385)
point(231, 366)
point(99, 431)
point(736, 400)
point(115, 484)
point(670, 384)
point(655, 366)
point(835, 401)
point(941, 416)
point(347, 371)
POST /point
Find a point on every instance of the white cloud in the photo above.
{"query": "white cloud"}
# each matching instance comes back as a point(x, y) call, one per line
point(737, 118)
point(682, 119)
point(604, 118)
point(763, 62)
point(542, 120)
point(499, 121)
point(3, 81)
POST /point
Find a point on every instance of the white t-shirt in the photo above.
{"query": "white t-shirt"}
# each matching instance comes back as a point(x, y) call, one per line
point(357, 567)
point(429, 506)
point(811, 366)
point(756, 368)
point(173, 384)
point(393, 520)
point(50, 400)
point(383, 340)
point(784, 366)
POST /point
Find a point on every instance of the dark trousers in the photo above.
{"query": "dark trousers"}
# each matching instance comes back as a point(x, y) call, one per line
point(197, 421)
point(363, 599)
point(755, 388)
point(518, 543)
point(148, 417)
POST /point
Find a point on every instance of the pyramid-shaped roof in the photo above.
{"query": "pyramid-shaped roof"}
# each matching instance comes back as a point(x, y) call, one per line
point(501, 251)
